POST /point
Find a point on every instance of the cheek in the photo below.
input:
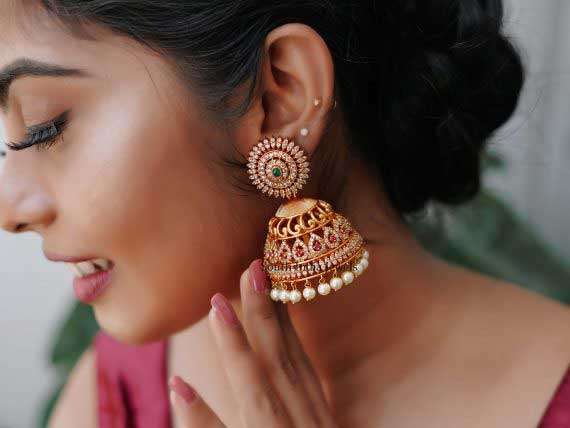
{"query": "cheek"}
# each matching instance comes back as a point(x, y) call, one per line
point(153, 207)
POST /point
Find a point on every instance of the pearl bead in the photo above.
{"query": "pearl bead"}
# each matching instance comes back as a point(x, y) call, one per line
point(274, 294)
point(309, 293)
point(295, 296)
point(347, 277)
point(366, 254)
point(324, 289)
point(364, 263)
point(283, 295)
point(336, 283)
point(357, 269)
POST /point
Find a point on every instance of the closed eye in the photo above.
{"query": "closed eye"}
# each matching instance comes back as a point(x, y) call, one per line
point(42, 135)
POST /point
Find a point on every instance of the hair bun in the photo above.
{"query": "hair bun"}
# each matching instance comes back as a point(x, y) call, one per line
point(448, 80)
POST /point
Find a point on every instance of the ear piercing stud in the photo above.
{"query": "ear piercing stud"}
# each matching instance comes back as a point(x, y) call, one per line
point(305, 131)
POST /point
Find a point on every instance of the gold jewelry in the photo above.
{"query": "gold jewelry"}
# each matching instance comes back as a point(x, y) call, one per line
point(307, 241)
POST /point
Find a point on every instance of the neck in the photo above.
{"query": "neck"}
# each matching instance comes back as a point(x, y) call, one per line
point(381, 310)
point(345, 328)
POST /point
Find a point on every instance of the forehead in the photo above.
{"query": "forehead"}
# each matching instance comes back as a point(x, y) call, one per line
point(25, 20)
point(30, 31)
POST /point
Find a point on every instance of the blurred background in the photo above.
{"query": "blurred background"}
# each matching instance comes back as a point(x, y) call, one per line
point(517, 229)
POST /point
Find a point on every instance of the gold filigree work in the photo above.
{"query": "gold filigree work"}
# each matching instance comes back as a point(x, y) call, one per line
point(307, 242)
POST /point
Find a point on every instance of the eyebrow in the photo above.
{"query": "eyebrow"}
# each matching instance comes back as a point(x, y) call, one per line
point(23, 67)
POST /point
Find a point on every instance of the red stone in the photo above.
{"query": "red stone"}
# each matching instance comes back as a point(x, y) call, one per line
point(317, 246)
point(299, 252)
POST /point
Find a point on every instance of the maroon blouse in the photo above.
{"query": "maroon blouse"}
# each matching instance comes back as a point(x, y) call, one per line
point(133, 391)
point(132, 384)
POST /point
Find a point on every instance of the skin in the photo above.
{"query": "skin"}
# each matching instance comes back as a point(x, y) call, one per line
point(413, 342)
point(293, 397)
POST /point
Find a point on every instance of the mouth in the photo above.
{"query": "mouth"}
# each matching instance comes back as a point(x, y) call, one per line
point(89, 267)
point(91, 278)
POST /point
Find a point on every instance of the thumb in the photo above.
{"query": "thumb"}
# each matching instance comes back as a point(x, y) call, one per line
point(189, 408)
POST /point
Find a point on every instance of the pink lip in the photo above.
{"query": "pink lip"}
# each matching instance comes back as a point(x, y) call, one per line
point(68, 259)
point(88, 288)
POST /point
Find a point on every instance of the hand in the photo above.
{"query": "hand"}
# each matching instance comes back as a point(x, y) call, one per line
point(271, 377)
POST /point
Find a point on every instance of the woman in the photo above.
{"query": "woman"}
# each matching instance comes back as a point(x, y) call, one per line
point(144, 114)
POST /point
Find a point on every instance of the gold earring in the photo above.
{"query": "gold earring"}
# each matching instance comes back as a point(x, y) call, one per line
point(307, 242)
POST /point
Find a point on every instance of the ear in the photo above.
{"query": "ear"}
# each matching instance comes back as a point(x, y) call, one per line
point(297, 70)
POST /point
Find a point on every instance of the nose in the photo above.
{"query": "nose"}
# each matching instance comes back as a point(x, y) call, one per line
point(24, 205)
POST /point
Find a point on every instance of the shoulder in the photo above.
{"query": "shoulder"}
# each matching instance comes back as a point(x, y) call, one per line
point(539, 314)
point(509, 345)
point(508, 304)
point(76, 405)
point(524, 335)
point(533, 327)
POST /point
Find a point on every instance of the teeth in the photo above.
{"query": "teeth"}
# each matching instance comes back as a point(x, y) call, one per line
point(75, 269)
point(87, 268)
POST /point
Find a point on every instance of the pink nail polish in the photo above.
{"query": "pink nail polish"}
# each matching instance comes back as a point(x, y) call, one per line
point(224, 309)
point(258, 277)
point(184, 390)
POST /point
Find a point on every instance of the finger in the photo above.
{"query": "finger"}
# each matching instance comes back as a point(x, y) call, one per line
point(259, 403)
point(189, 408)
point(309, 375)
point(266, 335)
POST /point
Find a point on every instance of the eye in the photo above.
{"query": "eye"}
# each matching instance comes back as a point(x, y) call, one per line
point(43, 135)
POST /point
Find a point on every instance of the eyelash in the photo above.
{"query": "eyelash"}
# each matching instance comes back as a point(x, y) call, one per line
point(44, 135)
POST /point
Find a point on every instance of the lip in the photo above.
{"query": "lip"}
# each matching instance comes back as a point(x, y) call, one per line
point(53, 257)
point(90, 287)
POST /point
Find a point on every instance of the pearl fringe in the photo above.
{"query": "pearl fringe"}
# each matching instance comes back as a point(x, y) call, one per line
point(336, 283)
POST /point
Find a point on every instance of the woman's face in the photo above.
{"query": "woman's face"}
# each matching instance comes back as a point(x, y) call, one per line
point(135, 178)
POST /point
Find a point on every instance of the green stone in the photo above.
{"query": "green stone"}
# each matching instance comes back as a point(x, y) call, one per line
point(276, 172)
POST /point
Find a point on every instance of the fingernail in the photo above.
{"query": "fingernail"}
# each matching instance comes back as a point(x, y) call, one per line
point(224, 309)
point(182, 389)
point(258, 277)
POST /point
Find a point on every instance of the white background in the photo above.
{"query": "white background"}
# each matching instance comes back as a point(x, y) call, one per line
point(34, 293)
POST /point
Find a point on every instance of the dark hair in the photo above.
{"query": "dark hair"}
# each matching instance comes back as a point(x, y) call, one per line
point(422, 83)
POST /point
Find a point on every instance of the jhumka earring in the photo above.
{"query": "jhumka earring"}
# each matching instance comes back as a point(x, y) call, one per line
point(308, 245)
